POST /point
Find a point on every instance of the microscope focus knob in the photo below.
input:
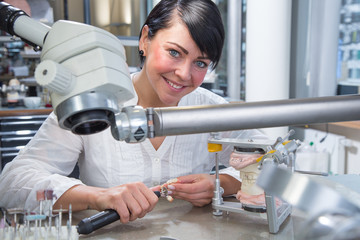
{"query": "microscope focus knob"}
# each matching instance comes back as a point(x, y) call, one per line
point(54, 76)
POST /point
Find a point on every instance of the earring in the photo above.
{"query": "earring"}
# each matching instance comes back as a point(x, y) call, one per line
point(141, 52)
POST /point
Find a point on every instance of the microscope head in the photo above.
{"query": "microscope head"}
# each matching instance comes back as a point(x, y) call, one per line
point(85, 69)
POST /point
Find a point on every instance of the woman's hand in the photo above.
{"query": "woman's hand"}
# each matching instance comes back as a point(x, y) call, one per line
point(131, 201)
point(197, 189)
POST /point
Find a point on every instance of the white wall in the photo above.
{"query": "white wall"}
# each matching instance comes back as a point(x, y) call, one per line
point(268, 38)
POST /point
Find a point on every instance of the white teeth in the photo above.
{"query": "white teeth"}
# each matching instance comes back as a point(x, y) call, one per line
point(174, 86)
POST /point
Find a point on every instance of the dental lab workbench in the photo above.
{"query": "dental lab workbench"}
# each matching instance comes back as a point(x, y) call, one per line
point(179, 220)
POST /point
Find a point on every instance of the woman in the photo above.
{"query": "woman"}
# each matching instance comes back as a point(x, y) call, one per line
point(179, 41)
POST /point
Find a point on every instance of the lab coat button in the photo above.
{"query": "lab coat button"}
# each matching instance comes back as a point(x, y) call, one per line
point(156, 183)
point(157, 160)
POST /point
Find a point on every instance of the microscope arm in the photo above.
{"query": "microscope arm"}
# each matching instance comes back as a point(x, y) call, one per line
point(235, 116)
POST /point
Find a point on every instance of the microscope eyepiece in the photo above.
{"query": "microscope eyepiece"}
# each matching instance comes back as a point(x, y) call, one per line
point(8, 16)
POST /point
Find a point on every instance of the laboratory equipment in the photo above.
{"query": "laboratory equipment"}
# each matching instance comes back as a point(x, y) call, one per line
point(333, 210)
point(99, 220)
point(43, 224)
point(279, 152)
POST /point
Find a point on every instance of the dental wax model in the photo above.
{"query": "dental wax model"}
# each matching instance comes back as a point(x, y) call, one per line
point(249, 176)
point(240, 160)
point(164, 189)
point(247, 164)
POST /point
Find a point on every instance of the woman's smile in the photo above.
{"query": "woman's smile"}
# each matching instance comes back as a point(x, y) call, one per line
point(174, 86)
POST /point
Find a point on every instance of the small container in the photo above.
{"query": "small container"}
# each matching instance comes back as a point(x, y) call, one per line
point(32, 102)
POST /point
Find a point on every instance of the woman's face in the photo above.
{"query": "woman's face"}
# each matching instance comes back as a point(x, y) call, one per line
point(174, 64)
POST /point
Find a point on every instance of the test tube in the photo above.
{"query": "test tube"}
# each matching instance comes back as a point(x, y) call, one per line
point(14, 221)
point(49, 200)
point(68, 229)
point(27, 227)
point(49, 194)
point(60, 221)
point(40, 197)
point(57, 226)
point(4, 224)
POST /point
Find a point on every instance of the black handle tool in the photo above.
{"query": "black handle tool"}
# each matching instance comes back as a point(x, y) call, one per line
point(99, 220)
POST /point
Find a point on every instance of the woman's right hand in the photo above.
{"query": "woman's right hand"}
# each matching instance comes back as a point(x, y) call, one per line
point(131, 201)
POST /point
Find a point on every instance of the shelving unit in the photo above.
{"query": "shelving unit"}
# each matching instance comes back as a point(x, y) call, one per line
point(15, 133)
point(349, 48)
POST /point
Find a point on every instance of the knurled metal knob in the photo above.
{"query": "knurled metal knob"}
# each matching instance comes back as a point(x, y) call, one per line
point(54, 76)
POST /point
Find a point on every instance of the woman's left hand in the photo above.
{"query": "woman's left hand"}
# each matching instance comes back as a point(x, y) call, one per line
point(197, 189)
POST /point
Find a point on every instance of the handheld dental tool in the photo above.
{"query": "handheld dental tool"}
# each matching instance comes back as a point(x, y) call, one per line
point(99, 220)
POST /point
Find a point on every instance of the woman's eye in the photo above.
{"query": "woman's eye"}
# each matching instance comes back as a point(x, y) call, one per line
point(201, 64)
point(174, 53)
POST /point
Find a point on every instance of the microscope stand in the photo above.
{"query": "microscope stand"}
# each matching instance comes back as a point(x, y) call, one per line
point(275, 216)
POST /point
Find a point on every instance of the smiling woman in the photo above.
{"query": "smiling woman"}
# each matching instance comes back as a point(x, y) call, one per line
point(174, 66)
point(178, 42)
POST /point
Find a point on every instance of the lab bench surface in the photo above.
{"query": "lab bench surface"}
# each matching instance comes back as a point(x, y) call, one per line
point(179, 220)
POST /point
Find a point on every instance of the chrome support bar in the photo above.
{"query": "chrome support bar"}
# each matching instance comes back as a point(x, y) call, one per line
point(237, 116)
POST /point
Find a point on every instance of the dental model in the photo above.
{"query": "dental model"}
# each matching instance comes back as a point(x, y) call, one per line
point(164, 189)
point(240, 160)
point(246, 163)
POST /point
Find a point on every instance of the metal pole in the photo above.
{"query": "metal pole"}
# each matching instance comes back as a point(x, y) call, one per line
point(226, 117)
point(66, 10)
point(87, 18)
point(234, 49)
